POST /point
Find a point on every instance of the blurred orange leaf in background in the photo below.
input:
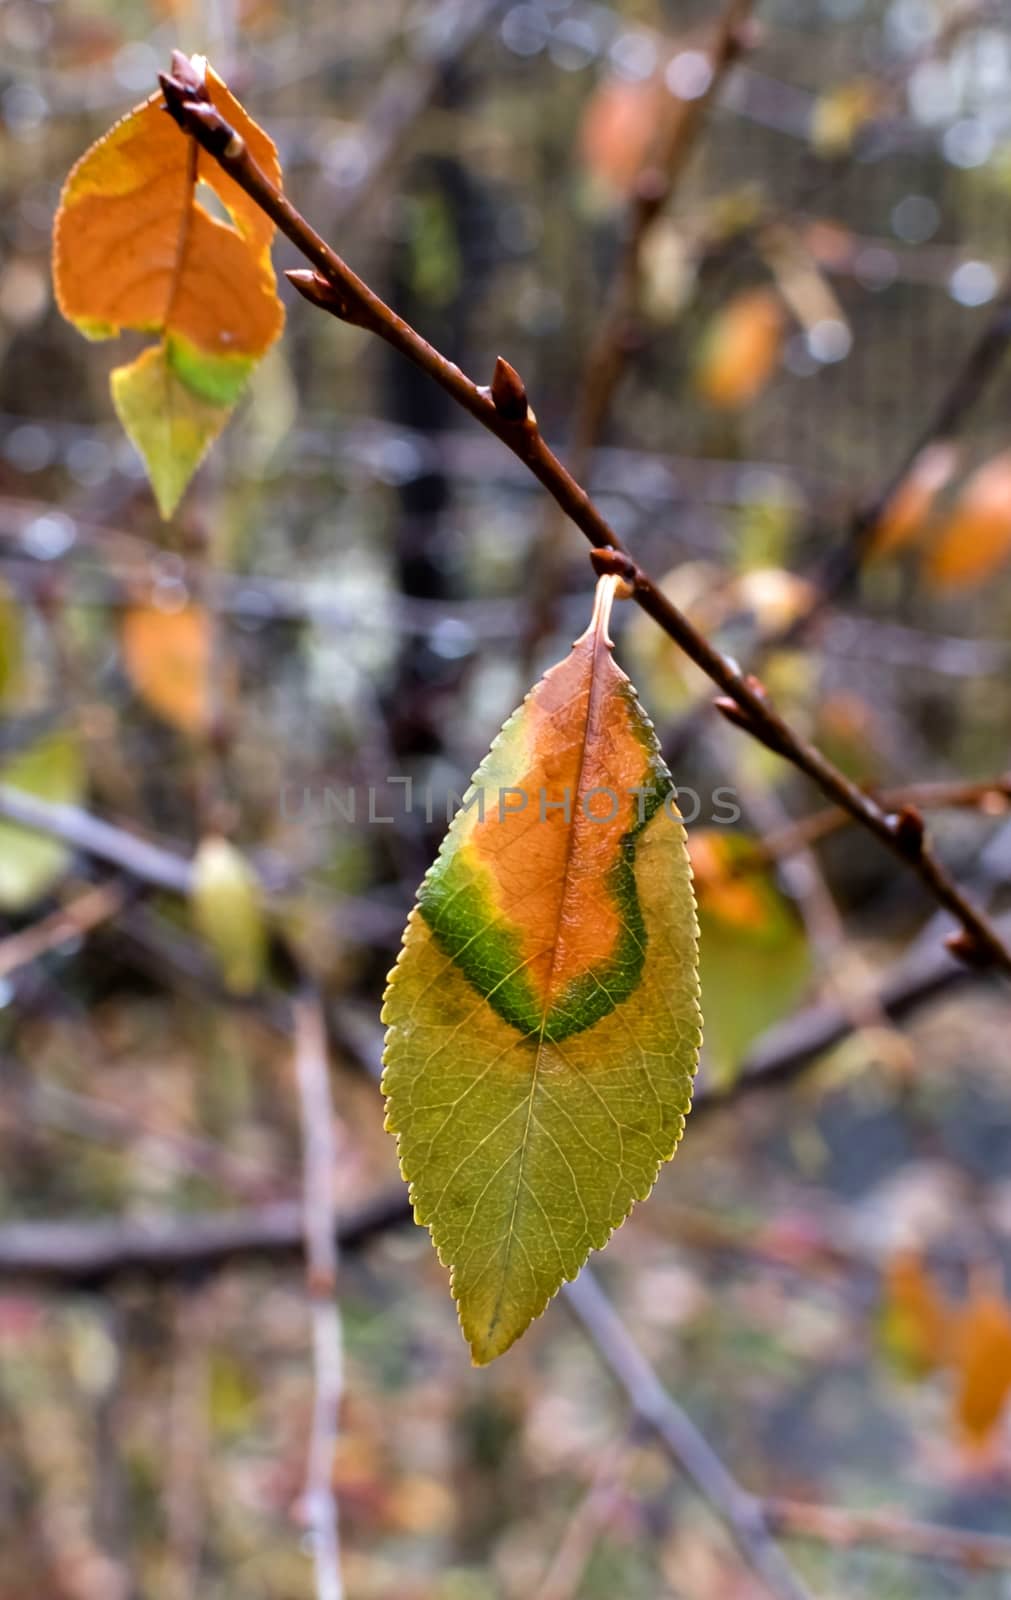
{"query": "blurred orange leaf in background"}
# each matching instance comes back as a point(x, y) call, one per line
point(740, 349)
point(619, 130)
point(907, 511)
point(981, 1342)
point(167, 655)
point(976, 538)
point(916, 1317)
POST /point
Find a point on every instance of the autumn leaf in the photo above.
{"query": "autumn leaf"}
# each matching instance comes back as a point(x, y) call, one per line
point(755, 959)
point(619, 129)
point(976, 538)
point(543, 1022)
point(740, 350)
point(907, 512)
point(31, 863)
point(916, 1318)
point(167, 655)
point(135, 249)
point(982, 1348)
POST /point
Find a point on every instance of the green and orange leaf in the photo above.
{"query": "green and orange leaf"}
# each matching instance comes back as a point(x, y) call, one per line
point(135, 249)
point(543, 1021)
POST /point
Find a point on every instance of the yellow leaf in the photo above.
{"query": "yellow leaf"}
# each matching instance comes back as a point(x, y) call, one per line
point(227, 911)
point(840, 115)
point(134, 248)
point(976, 538)
point(167, 658)
point(171, 426)
point(740, 350)
point(543, 1023)
point(11, 645)
point(31, 863)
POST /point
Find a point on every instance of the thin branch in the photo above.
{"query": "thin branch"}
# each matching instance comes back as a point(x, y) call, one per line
point(86, 1255)
point(844, 1529)
point(319, 1201)
point(990, 796)
point(155, 867)
point(504, 410)
point(740, 1511)
point(144, 862)
point(563, 1576)
point(65, 926)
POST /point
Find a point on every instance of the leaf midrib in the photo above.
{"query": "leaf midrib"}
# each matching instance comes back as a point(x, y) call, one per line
point(599, 637)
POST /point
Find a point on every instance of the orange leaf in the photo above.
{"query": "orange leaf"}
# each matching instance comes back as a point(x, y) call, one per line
point(167, 657)
point(740, 350)
point(726, 892)
point(982, 1345)
point(976, 538)
point(905, 515)
point(619, 129)
point(134, 248)
point(917, 1318)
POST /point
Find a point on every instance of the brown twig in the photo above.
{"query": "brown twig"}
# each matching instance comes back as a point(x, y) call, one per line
point(87, 1254)
point(564, 1574)
point(157, 867)
point(334, 287)
point(844, 1529)
point(319, 1206)
point(991, 796)
point(65, 926)
point(740, 1511)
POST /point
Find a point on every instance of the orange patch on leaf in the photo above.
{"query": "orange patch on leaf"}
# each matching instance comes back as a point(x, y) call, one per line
point(550, 873)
